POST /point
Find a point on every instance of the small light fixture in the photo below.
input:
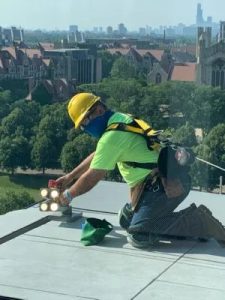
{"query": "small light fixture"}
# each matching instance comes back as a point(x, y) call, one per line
point(44, 206)
point(44, 193)
point(54, 206)
point(54, 194)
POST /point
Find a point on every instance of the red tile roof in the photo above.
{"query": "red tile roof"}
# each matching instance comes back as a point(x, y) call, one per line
point(46, 61)
point(31, 52)
point(11, 51)
point(184, 72)
point(156, 53)
point(47, 46)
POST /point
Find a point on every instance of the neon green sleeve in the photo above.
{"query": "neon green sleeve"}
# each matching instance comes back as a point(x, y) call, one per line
point(107, 153)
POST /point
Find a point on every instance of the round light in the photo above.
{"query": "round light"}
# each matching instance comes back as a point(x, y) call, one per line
point(44, 206)
point(54, 194)
point(54, 206)
point(44, 193)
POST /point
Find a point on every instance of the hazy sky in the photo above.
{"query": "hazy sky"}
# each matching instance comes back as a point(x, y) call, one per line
point(59, 14)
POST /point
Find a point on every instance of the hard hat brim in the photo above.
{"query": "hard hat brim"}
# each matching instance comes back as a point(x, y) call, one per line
point(82, 116)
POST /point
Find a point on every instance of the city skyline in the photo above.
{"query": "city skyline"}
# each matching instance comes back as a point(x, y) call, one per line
point(58, 15)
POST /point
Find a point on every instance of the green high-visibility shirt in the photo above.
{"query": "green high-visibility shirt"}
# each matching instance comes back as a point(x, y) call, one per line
point(117, 147)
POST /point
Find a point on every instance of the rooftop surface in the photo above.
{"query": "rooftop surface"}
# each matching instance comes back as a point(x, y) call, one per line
point(42, 258)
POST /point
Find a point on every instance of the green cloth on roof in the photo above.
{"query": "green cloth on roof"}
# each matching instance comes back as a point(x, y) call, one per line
point(116, 147)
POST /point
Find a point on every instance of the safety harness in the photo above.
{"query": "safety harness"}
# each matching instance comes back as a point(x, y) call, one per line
point(174, 176)
point(142, 128)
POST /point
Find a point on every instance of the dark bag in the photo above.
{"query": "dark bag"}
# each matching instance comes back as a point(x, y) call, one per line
point(174, 166)
point(94, 231)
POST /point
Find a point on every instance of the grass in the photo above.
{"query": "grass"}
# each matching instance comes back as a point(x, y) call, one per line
point(24, 182)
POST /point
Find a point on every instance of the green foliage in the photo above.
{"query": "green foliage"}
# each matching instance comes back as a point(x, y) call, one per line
point(5, 101)
point(14, 153)
point(22, 119)
point(175, 106)
point(123, 69)
point(41, 95)
point(201, 173)
point(77, 150)
point(15, 200)
point(44, 153)
point(185, 135)
point(212, 150)
point(107, 62)
point(69, 157)
point(17, 87)
point(215, 140)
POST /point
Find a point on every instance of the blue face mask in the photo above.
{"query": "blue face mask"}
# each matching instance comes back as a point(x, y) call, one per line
point(97, 126)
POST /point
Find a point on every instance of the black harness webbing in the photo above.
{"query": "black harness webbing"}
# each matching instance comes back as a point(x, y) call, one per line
point(143, 129)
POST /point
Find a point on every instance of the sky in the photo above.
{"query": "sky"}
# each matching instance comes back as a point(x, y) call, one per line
point(59, 14)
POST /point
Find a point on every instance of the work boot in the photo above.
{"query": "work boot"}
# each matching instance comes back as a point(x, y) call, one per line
point(142, 240)
point(214, 227)
point(197, 223)
point(125, 216)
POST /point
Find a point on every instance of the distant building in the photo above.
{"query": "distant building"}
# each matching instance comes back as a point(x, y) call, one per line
point(109, 30)
point(58, 70)
point(74, 64)
point(10, 35)
point(122, 29)
point(1, 36)
point(211, 57)
point(155, 64)
point(17, 34)
point(142, 31)
point(199, 16)
point(75, 36)
point(73, 28)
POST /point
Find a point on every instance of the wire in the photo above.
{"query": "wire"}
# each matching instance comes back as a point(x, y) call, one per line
point(208, 163)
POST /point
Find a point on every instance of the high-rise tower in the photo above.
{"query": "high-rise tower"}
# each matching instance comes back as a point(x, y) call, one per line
point(199, 16)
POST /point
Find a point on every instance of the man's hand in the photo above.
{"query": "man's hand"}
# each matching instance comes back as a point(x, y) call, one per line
point(63, 201)
point(63, 181)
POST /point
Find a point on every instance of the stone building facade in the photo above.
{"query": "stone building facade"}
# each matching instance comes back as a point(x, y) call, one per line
point(210, 67)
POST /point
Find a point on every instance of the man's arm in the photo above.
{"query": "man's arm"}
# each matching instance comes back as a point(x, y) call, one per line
point(84, 184)
point(82, 167)
point(76, 172)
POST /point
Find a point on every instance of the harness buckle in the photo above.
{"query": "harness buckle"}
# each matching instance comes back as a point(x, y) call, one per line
point(155, 188)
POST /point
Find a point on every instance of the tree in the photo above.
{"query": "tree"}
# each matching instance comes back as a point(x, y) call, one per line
point(215, 140)
point(41, 95)
point(22, 119)
point(123, 69)
point(5, 101)
point(13, 201)
point(44, 153)
point(212, 150)
point(107, 62)
point(14, 153)
point(77, 150)
point(201, 173)
point(185, 135)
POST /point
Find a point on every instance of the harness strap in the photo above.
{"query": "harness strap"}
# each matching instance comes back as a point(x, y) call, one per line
point(142, 128)
point(135, 164)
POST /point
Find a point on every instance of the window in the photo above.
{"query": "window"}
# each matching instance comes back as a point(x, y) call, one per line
point(158, 78)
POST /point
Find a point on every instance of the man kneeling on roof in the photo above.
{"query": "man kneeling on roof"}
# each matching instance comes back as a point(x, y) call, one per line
point(158, 179)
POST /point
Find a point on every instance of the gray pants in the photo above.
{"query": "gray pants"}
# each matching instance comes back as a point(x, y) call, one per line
point(155, 215)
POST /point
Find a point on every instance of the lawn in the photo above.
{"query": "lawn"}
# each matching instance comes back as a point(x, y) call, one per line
point(24, 182)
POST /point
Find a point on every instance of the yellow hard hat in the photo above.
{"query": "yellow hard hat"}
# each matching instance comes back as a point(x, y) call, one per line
point(79, 105)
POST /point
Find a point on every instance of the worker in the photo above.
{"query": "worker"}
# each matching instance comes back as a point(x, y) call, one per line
point(153, 198)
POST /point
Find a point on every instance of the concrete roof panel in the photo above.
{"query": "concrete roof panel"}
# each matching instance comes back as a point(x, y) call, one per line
point(49, 261)
point(161, 290)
